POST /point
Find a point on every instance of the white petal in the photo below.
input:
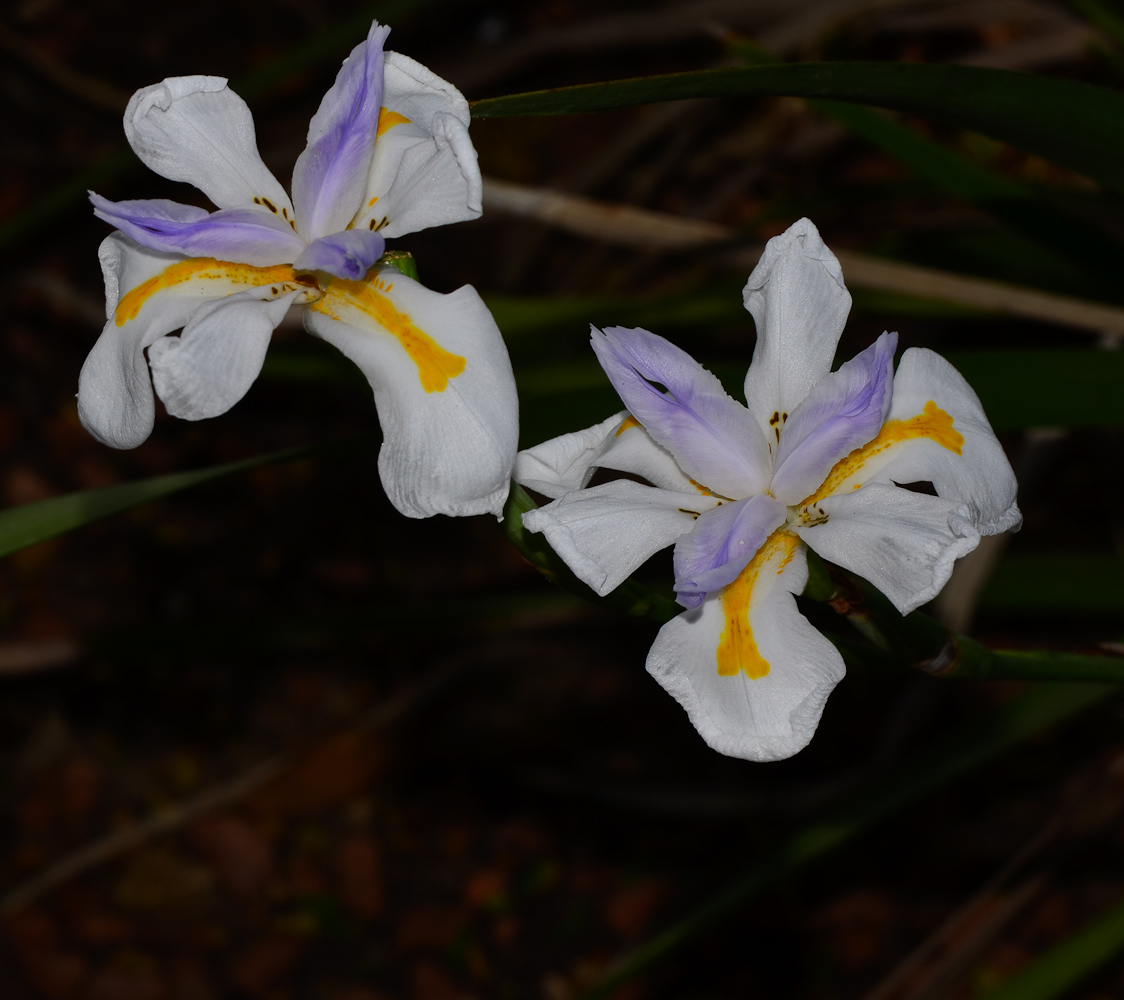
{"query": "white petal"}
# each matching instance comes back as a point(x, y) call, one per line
point(937, 432)
point(800, 304)
point(447, 406)
point(604, 534)
point(148, 295)
point(212, 365)
point(774, 715)
point(904, 543)
point(195, 129)
point(620, 443)
point(631, 449)
point(566, 462)
point(115, 401)
point(424, 171)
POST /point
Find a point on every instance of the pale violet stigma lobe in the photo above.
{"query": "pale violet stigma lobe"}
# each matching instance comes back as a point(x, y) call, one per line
point(721, 545)
point(843, 411)
point(249, 235)
point(710, 434)
point(330, 176)
point(349, 254)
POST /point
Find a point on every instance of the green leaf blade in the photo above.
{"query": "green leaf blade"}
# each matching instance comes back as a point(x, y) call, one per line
point(1077, 125)
point(30, 524)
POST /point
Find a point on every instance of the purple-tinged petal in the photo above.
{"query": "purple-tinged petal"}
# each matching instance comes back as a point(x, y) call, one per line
point(251, 235)
point(349, 254)
point(330, 178)
point(711, 436)
point(843, 411)
point(424, 172)
point(721, 545)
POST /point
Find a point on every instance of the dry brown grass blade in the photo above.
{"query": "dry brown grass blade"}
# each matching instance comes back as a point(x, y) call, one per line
point(644, 229)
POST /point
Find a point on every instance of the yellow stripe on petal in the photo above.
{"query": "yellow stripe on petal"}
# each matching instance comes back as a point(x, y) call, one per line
point(388, 119)
point(627, 424)
point(933, 423)
point(238, 276)
point(435, 365)
point(737, 649)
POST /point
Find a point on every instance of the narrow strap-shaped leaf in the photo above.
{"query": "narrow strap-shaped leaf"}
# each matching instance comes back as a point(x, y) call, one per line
point(948, 758)
point(1068, 963)
point(1077, 125)
point(32, 523)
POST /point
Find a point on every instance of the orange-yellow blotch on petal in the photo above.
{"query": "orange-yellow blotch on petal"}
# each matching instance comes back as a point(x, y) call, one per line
point(435, 365)
point(933, 423)
point(737, 649)
point(205, 269)
point(627, 424)
point(388, 119)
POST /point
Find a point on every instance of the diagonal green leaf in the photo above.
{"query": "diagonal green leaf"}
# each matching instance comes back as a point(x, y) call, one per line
point(1068, 963)
point(946, 759)
point(32, 523)
point(1077, 125)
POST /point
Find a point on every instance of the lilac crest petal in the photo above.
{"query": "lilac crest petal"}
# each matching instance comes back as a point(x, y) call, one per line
point(330, 177)
point(843, 411)
point(251, 235)
point(721, 545)
point(711, 436)
point(349, 254)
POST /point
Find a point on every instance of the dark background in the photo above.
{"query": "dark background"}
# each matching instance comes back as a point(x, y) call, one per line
point(473, 788)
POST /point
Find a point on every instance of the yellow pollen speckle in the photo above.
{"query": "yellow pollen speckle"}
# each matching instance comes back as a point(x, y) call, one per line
point(737, 648)
point(372, 201)
point(200, 269)
point(933, 423)
point(388, 119)
point(435, 365)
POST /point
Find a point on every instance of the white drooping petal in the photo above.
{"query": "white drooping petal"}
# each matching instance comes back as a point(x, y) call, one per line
point(769, 716)
point(937, 432)
point(905, 543)
point(443, 388)
point(212, 365)
point(799, 304)
point(566, 462)
point(606, 533)
point(196, 129)
point(115, 401)
point(632, 450)
point(424, 172)
point(619, 443)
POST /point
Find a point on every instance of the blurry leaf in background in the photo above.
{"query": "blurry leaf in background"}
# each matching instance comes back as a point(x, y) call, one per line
point(1024, 209)
point(32, 523)
point(1068, 963)
point(1076, 125)
point(1058, 584)
point(923, 772)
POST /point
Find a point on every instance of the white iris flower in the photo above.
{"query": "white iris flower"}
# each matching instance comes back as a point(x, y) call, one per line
point(816, 458)
point(388, 153)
